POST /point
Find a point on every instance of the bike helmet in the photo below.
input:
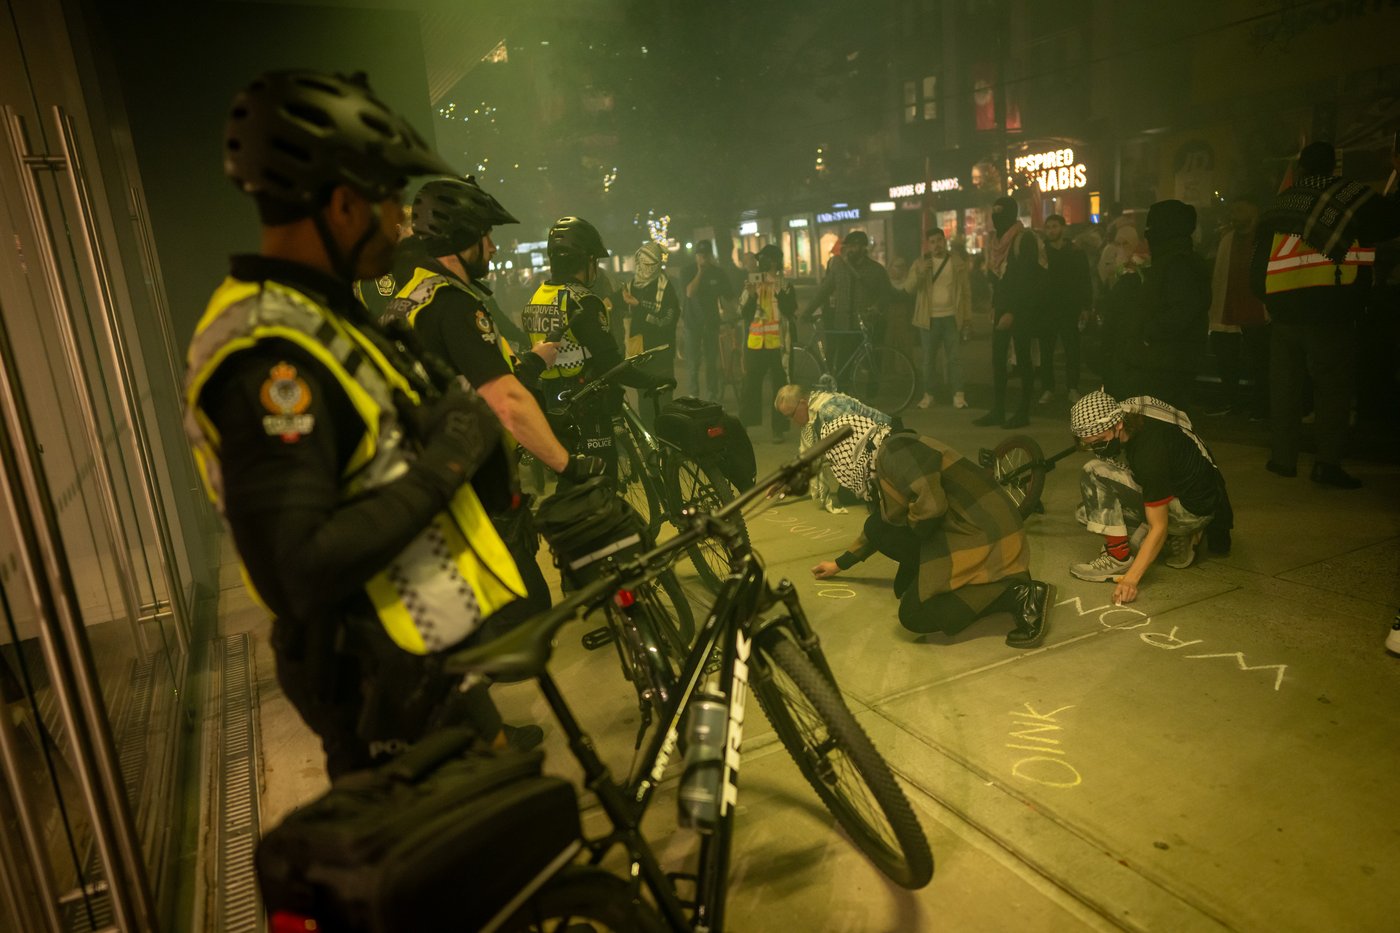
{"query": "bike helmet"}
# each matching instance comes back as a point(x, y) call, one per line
point(772, 251)
point(294, 135)
point(575, 237)
point(453, 214)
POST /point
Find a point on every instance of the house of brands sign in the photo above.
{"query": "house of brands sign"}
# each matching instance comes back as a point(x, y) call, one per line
point(918, 188)
point(836, 216)
point(1056, 170)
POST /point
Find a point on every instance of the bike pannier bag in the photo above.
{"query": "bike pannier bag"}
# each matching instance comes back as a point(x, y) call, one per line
point(590, 528)
point(443, 837)
point(705, 432)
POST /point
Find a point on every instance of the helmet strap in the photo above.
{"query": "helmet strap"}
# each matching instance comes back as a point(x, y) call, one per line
point(346, 264)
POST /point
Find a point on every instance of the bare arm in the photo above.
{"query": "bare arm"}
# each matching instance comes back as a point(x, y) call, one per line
point(522, 417)
point(1127, 589)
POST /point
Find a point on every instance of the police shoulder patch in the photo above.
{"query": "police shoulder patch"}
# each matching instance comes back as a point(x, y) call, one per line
point(286, 396)
point(386, 285)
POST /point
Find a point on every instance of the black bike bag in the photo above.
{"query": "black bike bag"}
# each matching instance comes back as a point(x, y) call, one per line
point(705, 432)
point(445, 836)
point(590, 528)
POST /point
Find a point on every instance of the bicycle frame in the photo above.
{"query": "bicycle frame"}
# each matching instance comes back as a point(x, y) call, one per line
point(817, 347)
point(733, 624)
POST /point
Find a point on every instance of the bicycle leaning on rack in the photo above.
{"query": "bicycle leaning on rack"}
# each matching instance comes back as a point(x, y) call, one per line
point(768, 649)
point(661, 481)
point(881, 377)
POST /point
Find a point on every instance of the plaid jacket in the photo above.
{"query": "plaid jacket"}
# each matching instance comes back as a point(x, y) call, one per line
point(970, 532)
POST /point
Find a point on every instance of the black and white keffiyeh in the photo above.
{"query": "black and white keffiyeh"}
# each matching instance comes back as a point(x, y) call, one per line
point(1094, 413)
point(852, 461)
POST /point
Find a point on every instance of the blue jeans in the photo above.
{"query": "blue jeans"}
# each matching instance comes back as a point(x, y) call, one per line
point(942, 331)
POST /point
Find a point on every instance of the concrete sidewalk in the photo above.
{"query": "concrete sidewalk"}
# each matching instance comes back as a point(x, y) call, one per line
point(1217, 755)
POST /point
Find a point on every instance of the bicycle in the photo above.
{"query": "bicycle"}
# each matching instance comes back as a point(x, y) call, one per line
point(881, 377)
point(777, 657)
point(661, 481)
point(1019, 465)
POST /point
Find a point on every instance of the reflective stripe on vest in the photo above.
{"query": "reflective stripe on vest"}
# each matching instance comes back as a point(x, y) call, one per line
point(425, 602)
point(548, 313)
point(766, 329)
point(1293, 265)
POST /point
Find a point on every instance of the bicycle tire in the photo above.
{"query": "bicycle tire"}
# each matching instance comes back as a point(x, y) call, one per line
point(813, 723)
point(695, 484)
point(669, 611)
point(585, 895)
point(882, 378)
point(634, 483)
point(806, 369)
point(1017, 464)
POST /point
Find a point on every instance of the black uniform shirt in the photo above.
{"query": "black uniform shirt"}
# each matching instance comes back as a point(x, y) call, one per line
point(287, 432)
point(457, 326)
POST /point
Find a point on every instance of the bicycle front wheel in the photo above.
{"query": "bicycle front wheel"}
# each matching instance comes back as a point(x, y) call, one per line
point(838, 759)
point(1017, 466)
point(693, 485)
point(634, 483)
point(883, 378)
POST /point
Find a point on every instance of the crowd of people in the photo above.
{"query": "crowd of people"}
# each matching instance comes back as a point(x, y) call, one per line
point(356, 392)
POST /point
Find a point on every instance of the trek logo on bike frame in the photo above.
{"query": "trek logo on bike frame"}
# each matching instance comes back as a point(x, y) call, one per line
point(738, 693)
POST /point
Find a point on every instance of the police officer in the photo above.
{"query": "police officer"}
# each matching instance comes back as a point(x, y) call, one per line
point(352, 486)
point(565, 309)
point(445, 299)
point(377, 293)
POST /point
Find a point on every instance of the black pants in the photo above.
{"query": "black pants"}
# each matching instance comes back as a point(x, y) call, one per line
point(1062, 327)
point(1326, 352)
point(366, 698)
point(758, 366)
point(948, 612)
point(1243, 354)
point(703, 358)
point(1002, 341)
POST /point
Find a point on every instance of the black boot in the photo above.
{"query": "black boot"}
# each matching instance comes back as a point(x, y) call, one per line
point(1032, 608)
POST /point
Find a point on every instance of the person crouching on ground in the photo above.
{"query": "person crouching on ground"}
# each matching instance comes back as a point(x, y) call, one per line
point(1151, 479)
point(958, 540)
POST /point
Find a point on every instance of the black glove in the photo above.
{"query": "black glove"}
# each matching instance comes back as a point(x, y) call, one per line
point(460, 433)
point(582, 468)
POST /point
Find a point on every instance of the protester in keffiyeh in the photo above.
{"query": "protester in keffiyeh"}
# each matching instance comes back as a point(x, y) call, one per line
point(1152, 485)
point(809, 409)
point(956, 536)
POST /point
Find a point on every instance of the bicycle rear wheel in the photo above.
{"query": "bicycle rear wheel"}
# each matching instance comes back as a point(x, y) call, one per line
point(1017, 464)
point(585, 899)
point(804, 368)
point(691, 484)
point(883, 378)
point(634, 483)
point(838, 760)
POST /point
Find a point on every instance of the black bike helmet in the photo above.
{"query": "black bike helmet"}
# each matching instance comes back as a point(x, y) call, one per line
point(575, 238)
point(453, 214)
point(294, 135)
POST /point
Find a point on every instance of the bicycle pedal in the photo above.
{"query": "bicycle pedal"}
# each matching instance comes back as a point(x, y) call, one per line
point(598, 638)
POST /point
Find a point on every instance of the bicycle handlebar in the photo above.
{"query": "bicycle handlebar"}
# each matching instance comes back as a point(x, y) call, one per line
point(606, 378)
point(525, 650)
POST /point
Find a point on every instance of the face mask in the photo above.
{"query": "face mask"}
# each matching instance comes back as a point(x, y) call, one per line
point(1107, 449)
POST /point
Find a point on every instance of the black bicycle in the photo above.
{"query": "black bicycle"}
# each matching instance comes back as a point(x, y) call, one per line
point(881, 377)
point(768, 648)
point(661, 481)
point(1020, 466)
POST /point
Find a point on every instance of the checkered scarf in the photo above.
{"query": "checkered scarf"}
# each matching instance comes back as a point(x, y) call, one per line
point(852, 461)
point(1097, 411)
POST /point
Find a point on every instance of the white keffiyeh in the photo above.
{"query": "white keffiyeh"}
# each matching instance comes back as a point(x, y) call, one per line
point(852, 461)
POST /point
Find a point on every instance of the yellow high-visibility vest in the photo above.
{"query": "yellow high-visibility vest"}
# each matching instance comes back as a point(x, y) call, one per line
point(1293, 265)
point(424, 602)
